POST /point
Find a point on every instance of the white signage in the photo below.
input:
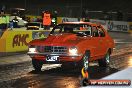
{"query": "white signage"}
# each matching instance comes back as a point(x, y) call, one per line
point(113, 25)
point(66, 19)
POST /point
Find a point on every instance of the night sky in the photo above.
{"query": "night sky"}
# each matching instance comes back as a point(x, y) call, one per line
point(38, 5)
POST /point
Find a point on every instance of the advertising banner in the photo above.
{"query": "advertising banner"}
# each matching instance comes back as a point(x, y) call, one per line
point(17, 40)
point(113, 25)
point(117, 26)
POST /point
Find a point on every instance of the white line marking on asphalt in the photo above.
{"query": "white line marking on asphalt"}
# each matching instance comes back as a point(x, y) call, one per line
point(120, 41)
point(124, 42)
point(50, 66)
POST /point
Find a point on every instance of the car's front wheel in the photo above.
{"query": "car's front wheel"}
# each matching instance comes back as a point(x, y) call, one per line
point(37, 64)
point(105, 61)
point(85, 60)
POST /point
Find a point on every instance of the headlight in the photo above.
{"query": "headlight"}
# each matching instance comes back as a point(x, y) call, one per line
point(32, 50)
point(73, 51)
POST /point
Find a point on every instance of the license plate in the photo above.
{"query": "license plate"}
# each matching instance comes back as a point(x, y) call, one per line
point(52, 58)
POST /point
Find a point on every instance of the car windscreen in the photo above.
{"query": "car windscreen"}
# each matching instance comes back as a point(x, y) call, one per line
point(79, 29)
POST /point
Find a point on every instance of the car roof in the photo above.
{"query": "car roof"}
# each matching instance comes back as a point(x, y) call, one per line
point(89, 23)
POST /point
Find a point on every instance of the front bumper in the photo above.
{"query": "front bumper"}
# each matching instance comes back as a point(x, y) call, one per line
point(53, 54)
point(62, 57)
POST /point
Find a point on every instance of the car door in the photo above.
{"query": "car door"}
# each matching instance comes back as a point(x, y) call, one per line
point(95, 42)
point(102, 41)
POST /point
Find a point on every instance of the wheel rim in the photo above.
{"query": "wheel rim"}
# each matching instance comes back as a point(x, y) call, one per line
point(107, 58)
point(85, 60)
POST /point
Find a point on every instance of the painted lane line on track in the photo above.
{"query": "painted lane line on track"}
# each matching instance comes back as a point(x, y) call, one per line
point(120, 41)
point(50, 66)
point(123, 42)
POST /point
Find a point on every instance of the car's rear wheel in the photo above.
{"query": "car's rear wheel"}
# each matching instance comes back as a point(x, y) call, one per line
point(37, 64)
point(105, 61)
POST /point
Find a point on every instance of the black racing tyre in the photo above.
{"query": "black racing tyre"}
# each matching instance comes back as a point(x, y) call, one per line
point(105, 61)
point(37, 64)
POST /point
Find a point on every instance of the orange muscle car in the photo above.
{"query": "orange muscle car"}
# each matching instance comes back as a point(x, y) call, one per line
point(74, 43)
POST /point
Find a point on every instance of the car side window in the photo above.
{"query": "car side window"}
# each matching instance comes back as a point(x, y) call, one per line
point(88, 30)
point(101, 32)
point(85, 30)
point(95, 32)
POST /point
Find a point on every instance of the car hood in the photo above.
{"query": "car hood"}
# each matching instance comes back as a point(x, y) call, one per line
point(59, 40)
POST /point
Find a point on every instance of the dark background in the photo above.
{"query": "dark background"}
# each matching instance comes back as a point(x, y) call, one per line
point(71, 8)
